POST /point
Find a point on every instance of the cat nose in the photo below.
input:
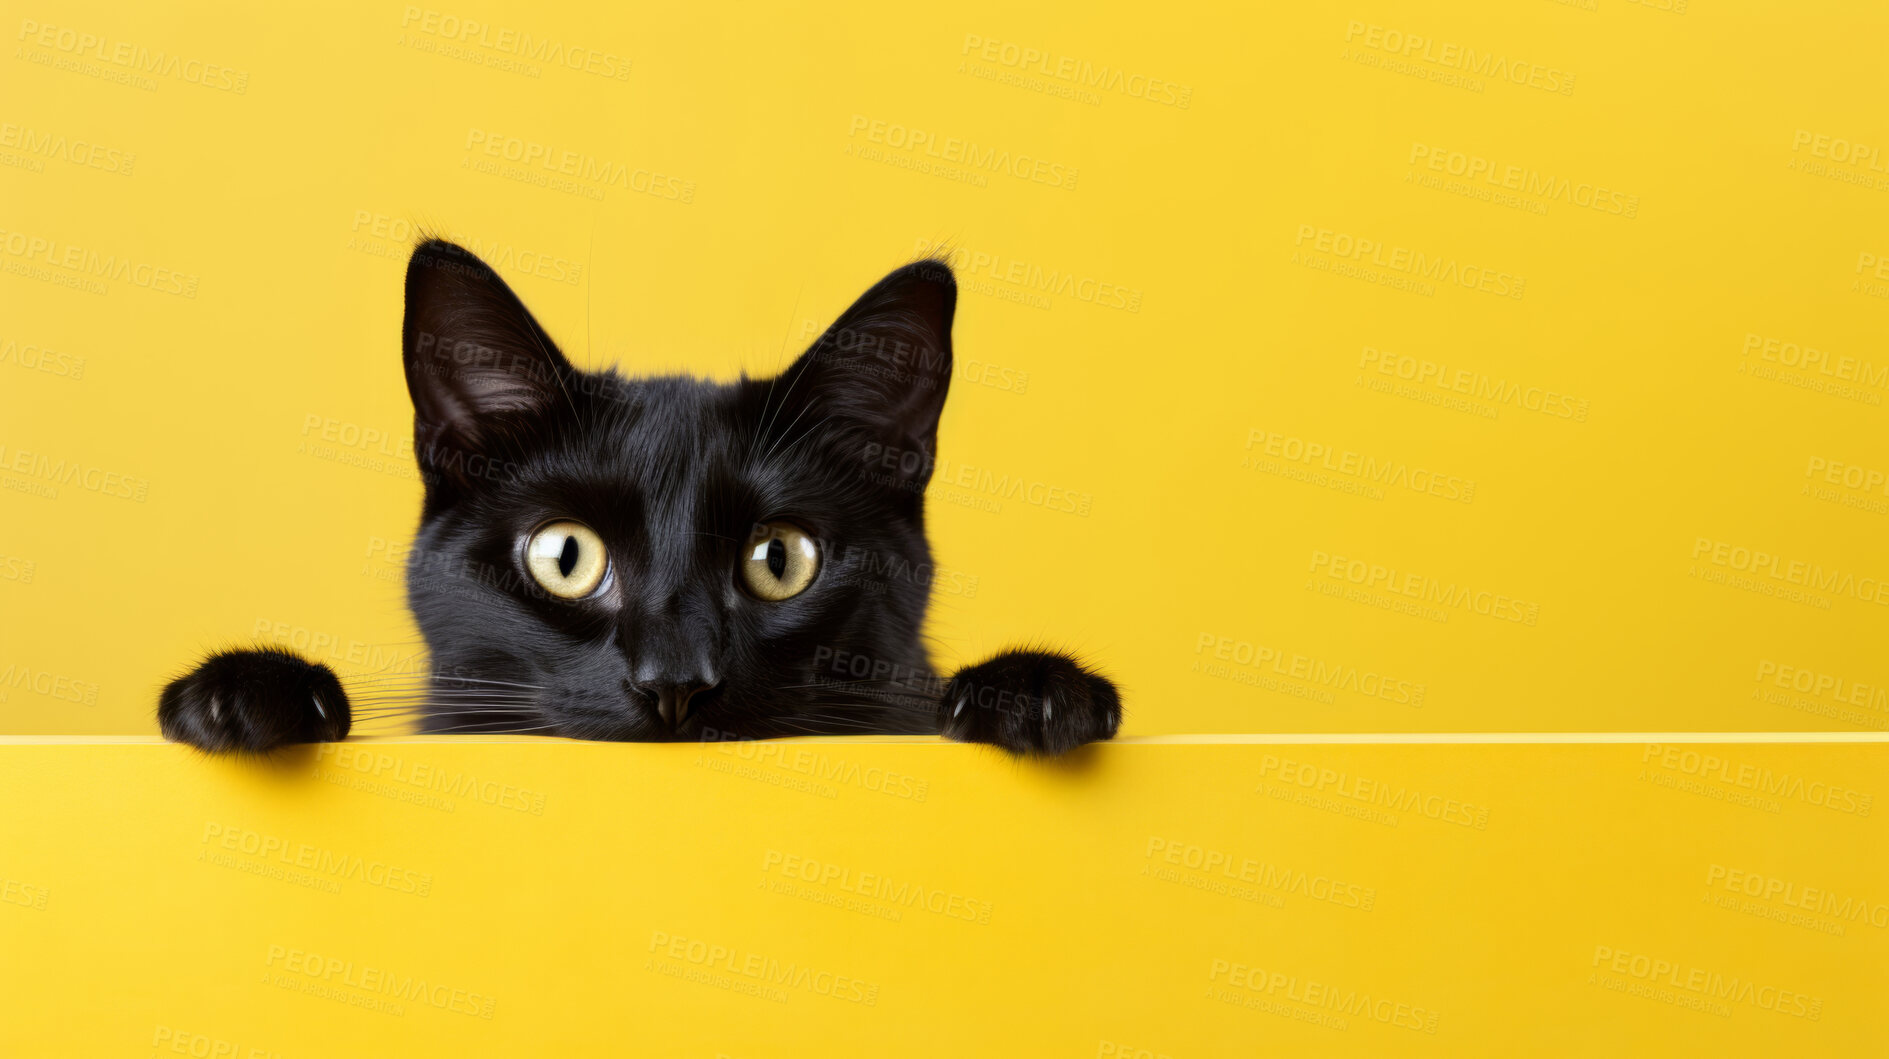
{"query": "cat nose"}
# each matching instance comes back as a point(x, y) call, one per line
point(673, 696)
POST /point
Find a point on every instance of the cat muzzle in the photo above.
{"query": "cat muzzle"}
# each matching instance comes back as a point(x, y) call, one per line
point(672, 701)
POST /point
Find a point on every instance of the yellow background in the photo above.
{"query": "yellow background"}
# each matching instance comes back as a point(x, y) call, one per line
point(243, 377)
point(1165, 308)
point(372, 897)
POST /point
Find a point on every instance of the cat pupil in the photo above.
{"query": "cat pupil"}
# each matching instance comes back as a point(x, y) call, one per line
point(776, 558)
point(567, 559)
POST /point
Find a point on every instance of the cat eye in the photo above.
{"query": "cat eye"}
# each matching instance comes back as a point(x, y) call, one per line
point(567, 559)
point(779, 561)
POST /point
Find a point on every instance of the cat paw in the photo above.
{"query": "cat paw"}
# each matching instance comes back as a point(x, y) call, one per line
point(254, 701)
point(1028, 702)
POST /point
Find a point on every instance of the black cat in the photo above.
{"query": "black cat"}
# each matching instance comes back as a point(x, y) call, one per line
point(667, 558)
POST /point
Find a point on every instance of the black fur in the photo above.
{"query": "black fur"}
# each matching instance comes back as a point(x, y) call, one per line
point(1029, 702)
point(672, 473)
point(253, 701)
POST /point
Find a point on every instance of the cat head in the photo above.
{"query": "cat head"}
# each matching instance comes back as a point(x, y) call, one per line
point(667, 557)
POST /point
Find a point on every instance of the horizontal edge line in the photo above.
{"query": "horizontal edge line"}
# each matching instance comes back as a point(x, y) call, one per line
point(1203, 739)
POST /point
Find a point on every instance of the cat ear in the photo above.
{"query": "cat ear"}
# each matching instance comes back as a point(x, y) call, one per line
point(478, 365)
point(885, 364)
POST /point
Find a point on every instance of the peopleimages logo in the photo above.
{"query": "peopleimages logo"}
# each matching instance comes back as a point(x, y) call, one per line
point(1448, 55)
point(876, 887)
point(422, 777)
point(76, 151)
point(761, 969)
point(47, 473)
point(1473, 384)
point(1322, 997)
point(39, 358)
point(958, 151)
point(338, 866)
point(393, 237)
point(545, 161)
point(1707, 767)
point(1366, 682)
point(1265, 446)
point(1002, 268)
point(376, 988)
point(1840, 366)
point(515, 43)
point(1076, 72)
point(1849, 909)
point(1811, 682)
point(1523, 180)
point(131, 58)
point(1840, 149)
point(1689, 985)
point(1430, 590)
point(1221, 864)
point(45, 682)
point(1419, 267)
point(96, 264)
point(1396, 797)
point(1756, 562)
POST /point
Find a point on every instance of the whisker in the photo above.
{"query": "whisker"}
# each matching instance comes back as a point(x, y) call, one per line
point(838, 721)
point(444, 711)
point(812, 430)
point(392, 693)
point(446, 694)
point(887, 684)
point(469, 704)
point(497, 693)
point(823, 727)
point(499, 731)
point(457, 679)
point(462, 706)
point(427, 679)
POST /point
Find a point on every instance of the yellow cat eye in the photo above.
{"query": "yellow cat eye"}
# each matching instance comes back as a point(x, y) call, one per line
point(779, 561)
point(567, 559)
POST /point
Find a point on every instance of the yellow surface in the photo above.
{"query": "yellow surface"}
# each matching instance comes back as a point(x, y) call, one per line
point(1323, 368)
point(1184, 897)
